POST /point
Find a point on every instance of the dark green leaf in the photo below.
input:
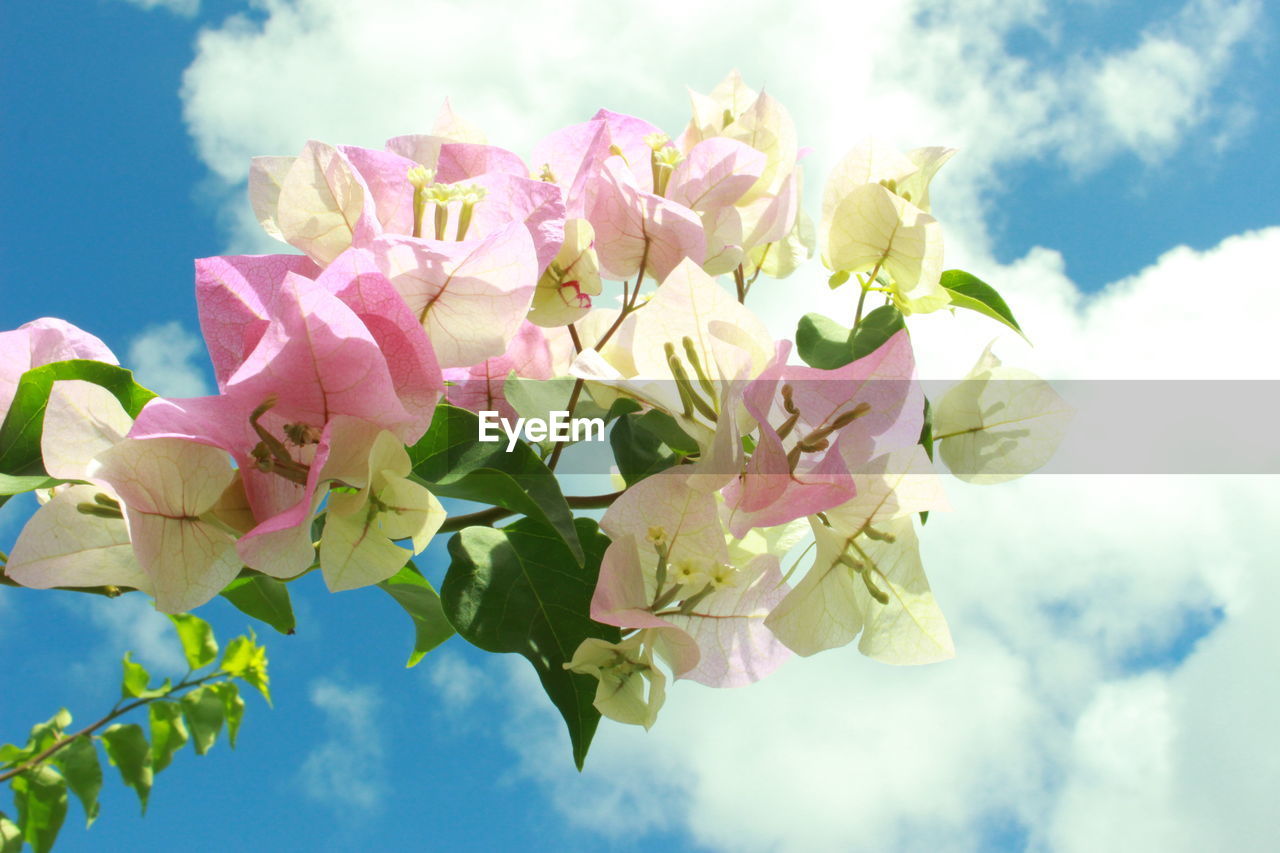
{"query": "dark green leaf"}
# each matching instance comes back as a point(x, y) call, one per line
point(79, 764)
point(23, 425)
point(127, 749)
point(825, 344)
point(665, 427)
point(246, 660)
point(10, 836)
point(204, 712)
point(638, 452)
point(198, 644)
point(41, 799)
point(168, 733)
point(263, 598)
point(136, 678)
point(232, 707)
point(968, 291)
point(519, 589)
point(415, 594)
point(454, 463)
point(621, 406)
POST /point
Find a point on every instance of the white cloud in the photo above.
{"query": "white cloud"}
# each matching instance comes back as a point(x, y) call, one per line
point(346, 769)
point(131, 623)
point(167, 359)
point(937, 73)
point(186, 8)
point(1051, 584)
point(457, 684)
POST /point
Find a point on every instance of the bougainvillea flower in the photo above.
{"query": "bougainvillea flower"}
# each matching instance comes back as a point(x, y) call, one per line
point(480, 387)
point(316, 359)
point(873, 229)
point(425, 148)
point(358, 545)
point(42, 342)
point(320, 204)
point(512, 198)
point(680, 351)
point(632, 140)
point(470, 296)
point(668, 569)
point(869, 582)
point(999, 423)
point(458, 161)
point(169, 488)
point(571, 158)
point(875, 219)
point(634, 226)
point(815, 426)
point(715, 174)
point(60, 545)
point(631, 688)
point(875, 162)
point(566, 286)
point(234, 294)
point(828, 607)
point(355, 279)
point(734, 111)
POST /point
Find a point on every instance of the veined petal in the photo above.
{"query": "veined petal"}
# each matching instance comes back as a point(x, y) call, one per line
point(234, 296)
point(61, 546)
point(266, 175)
point(81, 420)
point(470, 296)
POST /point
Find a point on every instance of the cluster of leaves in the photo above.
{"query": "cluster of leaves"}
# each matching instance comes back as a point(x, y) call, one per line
point(55, 762)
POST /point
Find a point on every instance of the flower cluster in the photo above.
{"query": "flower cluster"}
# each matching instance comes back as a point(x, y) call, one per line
point(444, 273)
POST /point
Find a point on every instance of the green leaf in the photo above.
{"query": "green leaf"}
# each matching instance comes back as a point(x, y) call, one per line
point(79, 764)
point(127, 750)
point(968, 291)
point(44, 734)
point(519, 589)
point(638, 452)
point(415, 594)
point(203, 710)
point(232, 707)
point(452, 461)
point(24, 423)
point(168, 733)
point(10, 485)
point(198, 643)
point(246, 660)
point(10, 836)
point(40, 796)
point(665, 427)
point(825, 344)
point(264, 598)
point(136, 678)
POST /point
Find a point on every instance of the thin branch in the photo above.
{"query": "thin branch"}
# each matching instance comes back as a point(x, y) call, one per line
point(628, 304)
point(88, 730)
point(573, 404)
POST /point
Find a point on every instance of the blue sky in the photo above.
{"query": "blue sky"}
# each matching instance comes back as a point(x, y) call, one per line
point(1074, 604)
